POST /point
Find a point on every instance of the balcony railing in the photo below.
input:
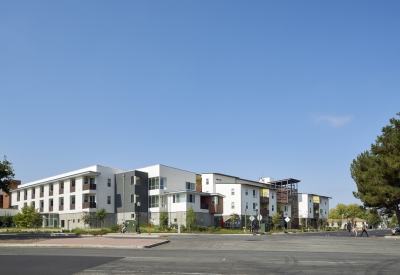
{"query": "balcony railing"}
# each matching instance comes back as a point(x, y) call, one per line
point(72, 189)
point(89, 205)
point(33, 196)
point(61, 207)
point(264, 200)
point(41, 194)
point(18, 198)
point(72, 206)
point(264, 213)
point(61, 191)
point(50, 208)
point(51, 193)
point(89, 186)
point(41, 209)
point(203, 205)
point(25, 198)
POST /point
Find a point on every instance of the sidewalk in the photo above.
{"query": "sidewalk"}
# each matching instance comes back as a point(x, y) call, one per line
point(96, 242)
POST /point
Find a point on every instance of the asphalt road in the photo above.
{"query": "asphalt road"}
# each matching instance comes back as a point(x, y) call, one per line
point(217, 254)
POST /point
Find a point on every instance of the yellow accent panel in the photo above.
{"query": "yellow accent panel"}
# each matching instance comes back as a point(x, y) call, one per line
point(265, 192)
point(316, 199)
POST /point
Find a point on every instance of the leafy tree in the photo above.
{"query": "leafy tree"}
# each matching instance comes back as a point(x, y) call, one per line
point(6, 175)
point(339, 223)
point(372, 217)
point(6, 220)
point(377, 172)
point(394, 220)
point(276, 220)
point(87, 218)
point(233, 220)
point(28, 217)
point(163, 219)
point(191, 219)
point(101, 215)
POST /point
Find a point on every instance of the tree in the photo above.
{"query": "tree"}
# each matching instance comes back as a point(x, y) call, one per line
point(276, 220)
point(87, 218)
point(6, 175)
point(163, 219)
point(101, 215)
point(191, 219)
point(6, 220)
point(377, 172)
point(233, 220)
point(28, 217)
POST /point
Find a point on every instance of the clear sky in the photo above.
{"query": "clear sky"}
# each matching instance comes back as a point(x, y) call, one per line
point(247, 88)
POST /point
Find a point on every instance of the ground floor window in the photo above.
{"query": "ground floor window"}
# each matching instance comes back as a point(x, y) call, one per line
point(154, 201)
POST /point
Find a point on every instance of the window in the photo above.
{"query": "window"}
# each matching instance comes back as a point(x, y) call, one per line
point(61, 185)
point(179, 198)
point(79, 220)
point(214, 200)
point(232, 205)
point(41, 203)
point(190, 198)
point(86, 198)
point(51, 202)
point(33, 191)
point(272, 195)
point(19, 194)
point(247, 191)
point(72, 199)
point(207, 181)
point(247, 205)
point(325, 203)
point(108, 199)
point(163, 183)
point(310, 210)
point(154, 183)
point(310, 201)
point(33, 204)
point(42, 189)
point(92, 181)
point(132, 198)
point(255, 205)
point(321, 211)
point(73, 220)
point(272, 208)
point(154, 201)
point(86, 181)
point(132, 180)
point(51, 187)
point(137, 198)
point(190, 186)
point(233, 191)
point(254, 194)
point(175, 220)
point(218, 179)
point(61, 201)
point(73, 183)
point(137, 180)
point(109, 182)
point(285, 208)
point(132, 216)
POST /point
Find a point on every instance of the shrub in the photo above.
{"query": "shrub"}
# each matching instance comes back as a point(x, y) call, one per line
point(114, 228)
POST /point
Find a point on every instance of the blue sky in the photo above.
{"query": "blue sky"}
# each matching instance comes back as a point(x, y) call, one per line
point(247, 88)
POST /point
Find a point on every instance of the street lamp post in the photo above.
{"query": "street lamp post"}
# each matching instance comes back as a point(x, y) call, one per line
point(138, 228)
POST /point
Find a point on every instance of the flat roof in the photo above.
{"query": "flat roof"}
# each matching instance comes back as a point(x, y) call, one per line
point(314, 195)
point(285, 181)
point(252, 182)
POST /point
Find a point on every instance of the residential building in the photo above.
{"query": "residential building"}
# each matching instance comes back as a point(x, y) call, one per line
point(313, 207)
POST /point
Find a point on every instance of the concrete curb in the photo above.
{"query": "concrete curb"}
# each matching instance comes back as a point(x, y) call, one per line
point(86, 245)
point(393, 237)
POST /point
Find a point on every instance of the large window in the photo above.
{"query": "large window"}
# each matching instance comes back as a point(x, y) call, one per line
point(255, 206)
point(72, 199)
point(154, 201)
point(190, 198)
point(156, 183)
point(214, 200)
point(179, 198)
point(73, 183)
point(190, 186)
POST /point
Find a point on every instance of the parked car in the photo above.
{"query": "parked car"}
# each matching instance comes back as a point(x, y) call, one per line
point(396, 231)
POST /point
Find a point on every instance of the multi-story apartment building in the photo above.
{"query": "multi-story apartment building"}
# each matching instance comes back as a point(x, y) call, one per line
point(125, 195)
point(313, 207)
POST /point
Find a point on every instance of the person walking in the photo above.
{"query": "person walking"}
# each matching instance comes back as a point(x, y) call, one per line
point(364, 229)
point(348, 229)
point(355, 229)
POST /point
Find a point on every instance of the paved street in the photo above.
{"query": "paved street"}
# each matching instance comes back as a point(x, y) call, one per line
point(216, 254)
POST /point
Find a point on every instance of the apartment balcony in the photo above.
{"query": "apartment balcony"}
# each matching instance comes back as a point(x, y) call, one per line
point(18, 198)
point(61, 208)
point(51, 193)
point(89, 205)
point(72, 189)
point(203, 205)
point(33, 196)
point(89, 186)
point(41, 209)
point(316, 205)
point(25, 198)
point(61, 191)
point(264, 199)
point(316, 215)
point(72, 206)
point(50, 208)
point(41, 194)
